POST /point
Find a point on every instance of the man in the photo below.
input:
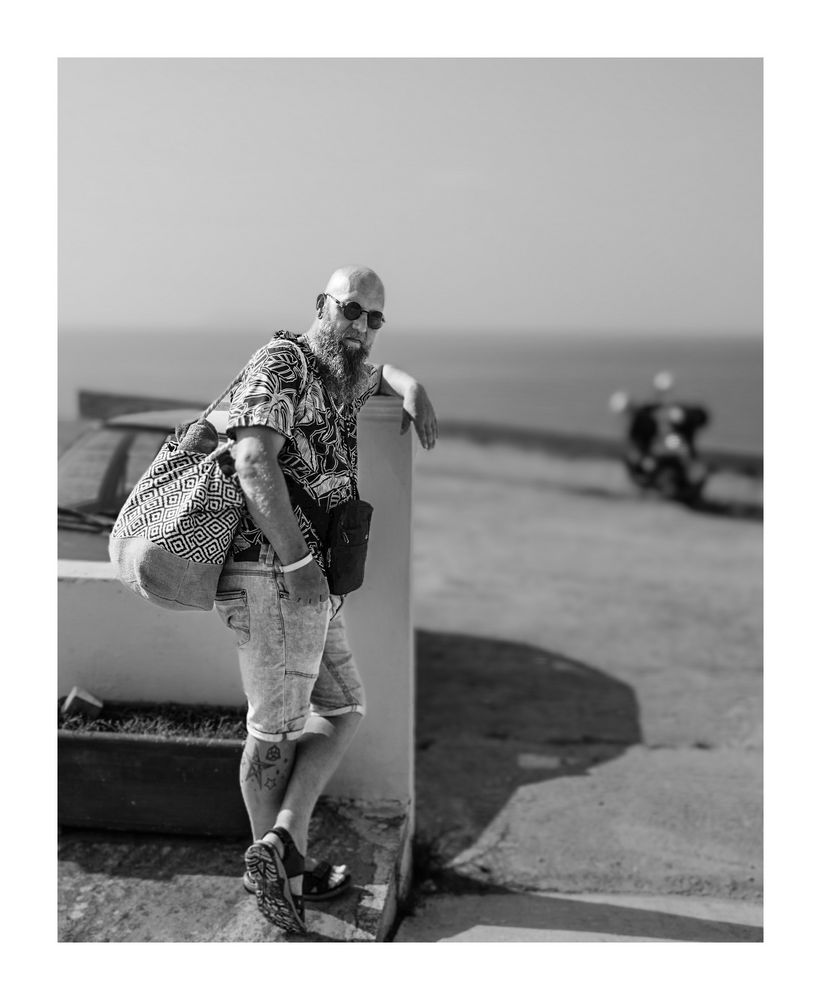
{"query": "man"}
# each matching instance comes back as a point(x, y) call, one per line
point(293, 417)
point(648, 423)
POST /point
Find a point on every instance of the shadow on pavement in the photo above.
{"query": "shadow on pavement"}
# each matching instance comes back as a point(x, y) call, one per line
point(739, 510)
point(493, 715)
point(597, 492)
point(543, 917)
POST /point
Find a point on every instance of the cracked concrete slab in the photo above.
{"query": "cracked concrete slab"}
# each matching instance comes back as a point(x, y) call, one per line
point(666, 820)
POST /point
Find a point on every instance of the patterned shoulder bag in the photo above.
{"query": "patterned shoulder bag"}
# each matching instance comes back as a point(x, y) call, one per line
point(170, 540)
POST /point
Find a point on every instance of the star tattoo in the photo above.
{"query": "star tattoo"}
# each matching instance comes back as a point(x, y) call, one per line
point(255, 766)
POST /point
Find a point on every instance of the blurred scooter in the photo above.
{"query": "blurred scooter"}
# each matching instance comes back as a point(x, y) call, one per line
point(660, 454)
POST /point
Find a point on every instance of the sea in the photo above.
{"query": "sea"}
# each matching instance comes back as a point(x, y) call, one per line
point(532, 380)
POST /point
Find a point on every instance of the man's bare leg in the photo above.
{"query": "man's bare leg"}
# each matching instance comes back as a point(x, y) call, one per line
point(318, 752)
point(263, 775)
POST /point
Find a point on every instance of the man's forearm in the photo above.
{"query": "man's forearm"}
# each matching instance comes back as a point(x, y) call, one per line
point(268, 502)
point(395, 382)
point(416, 406)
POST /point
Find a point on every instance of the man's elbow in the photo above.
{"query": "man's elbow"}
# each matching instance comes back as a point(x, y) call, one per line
point(253, 462)
point(257, 448)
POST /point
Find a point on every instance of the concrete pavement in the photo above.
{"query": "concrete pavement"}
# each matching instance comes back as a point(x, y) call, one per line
point(554, 917)
point(667, 837)
point(589, 709)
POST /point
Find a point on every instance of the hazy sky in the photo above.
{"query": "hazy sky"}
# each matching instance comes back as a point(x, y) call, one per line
point(488, 193)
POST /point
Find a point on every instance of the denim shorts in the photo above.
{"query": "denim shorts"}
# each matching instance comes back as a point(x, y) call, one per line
point(294, 659)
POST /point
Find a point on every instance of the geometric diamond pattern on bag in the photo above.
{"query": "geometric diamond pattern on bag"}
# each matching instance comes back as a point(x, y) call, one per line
point(184, 503)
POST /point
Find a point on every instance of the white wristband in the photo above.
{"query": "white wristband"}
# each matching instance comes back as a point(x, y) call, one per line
point(297, 565)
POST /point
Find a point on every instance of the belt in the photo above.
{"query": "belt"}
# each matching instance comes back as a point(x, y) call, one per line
point(251, 554)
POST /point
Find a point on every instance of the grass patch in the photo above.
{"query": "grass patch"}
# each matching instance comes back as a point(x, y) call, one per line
point(165, 720)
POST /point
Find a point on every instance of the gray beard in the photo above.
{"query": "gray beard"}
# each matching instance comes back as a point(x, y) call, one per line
point(343, 369)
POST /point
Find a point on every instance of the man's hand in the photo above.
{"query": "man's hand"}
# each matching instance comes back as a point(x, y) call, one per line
point(418, 409)
point(307, 585)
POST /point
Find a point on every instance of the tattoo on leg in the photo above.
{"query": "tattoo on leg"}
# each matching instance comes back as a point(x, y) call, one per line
point(254, 766)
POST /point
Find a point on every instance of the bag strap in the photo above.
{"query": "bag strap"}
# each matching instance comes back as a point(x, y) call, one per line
point(221, 448)
point(282, 335)
point(224, 393)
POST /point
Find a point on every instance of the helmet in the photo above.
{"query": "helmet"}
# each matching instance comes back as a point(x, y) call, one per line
point(663, 381)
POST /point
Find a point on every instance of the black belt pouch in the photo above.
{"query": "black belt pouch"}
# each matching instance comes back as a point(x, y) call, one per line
point(346, 546)
point(344, 533)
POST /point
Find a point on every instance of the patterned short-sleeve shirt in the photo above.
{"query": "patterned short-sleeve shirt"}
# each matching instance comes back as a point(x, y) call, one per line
point(283, 389)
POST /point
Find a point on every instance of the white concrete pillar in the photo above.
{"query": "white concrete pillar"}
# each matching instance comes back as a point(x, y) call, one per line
point(122, 648)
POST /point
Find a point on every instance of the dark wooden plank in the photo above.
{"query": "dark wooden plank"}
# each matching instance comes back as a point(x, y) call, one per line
point(143, 783)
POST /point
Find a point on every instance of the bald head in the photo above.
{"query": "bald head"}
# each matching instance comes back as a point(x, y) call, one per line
point(342, 345)
point(348, 282)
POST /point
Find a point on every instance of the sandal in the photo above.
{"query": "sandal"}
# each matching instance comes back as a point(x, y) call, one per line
point(325, 881)
point(271, 873)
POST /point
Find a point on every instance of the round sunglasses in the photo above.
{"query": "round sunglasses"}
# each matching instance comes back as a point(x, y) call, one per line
point(353, 310)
